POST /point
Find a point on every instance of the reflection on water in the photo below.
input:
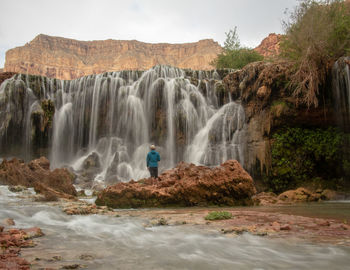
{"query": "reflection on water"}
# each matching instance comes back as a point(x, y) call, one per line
point(339, 210)
point(124, 243)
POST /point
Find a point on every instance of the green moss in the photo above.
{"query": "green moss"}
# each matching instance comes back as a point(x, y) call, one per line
point(278, 108)
point(49, 110)
point(300, 155)
point(218, 215)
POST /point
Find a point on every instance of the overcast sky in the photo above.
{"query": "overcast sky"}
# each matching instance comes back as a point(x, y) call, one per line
point(154, 21)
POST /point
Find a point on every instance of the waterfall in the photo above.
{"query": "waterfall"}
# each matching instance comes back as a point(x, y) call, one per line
point(341, 91)
point(103, 124)
point(222, 138)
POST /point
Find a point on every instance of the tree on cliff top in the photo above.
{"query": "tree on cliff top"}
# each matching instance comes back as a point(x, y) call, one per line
point(235, 56)
point(317, 34)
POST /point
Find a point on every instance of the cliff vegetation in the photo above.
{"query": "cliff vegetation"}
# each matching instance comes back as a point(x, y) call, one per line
point(317, 34)
point(235, 56)
point(293, 134)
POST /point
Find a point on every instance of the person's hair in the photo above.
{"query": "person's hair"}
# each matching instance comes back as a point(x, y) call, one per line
point(153, 147)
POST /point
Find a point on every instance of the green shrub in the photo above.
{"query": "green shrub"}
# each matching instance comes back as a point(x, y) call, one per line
point(218, 215)
point(317, 34)
point(237, 59)
point(235, 56)
point(301, 155)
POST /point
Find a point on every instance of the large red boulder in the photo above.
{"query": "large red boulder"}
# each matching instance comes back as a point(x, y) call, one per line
point(185, 185)
point(37, 174)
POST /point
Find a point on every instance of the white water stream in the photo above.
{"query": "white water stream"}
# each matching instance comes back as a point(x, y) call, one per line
point(124, 243)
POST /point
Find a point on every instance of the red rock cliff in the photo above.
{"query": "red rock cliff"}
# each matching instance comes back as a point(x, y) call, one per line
point(69, 59)
point(270, 46)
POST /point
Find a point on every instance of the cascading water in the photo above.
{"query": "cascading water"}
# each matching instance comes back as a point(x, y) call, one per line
point(341, 91)
point(103, 124)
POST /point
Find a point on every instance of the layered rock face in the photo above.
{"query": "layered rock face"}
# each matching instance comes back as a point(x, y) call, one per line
point(68, 59)
point(270, 46)
point(185, 185)
point(37, 174)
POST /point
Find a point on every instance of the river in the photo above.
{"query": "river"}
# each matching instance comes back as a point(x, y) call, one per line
point(105, 242)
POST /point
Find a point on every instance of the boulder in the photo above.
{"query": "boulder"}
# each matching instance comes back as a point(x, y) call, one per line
point(265, 198)
point(186, 185)
point(37, 174)
point(299, 195)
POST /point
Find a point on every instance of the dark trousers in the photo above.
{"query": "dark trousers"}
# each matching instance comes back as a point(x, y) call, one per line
point(153, 171)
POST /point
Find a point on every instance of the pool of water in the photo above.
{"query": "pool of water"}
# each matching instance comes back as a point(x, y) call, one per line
point(339, 210)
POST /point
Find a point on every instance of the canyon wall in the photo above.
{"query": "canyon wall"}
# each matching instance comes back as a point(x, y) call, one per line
point(270, 46)
point(68, 59)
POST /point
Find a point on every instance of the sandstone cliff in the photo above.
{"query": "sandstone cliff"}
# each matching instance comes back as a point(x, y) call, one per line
point(64, 58)
point(270, 46)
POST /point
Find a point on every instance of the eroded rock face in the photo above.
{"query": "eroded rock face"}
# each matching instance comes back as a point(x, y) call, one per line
point(270, 46)
point(37, 174)
point(68, 59)
point(185, 185)
point(262, 89)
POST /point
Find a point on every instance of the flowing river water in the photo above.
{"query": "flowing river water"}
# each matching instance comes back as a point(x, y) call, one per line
point(109, 242)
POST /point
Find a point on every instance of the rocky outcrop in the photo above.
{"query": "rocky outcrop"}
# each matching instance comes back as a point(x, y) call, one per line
point(270, 46)
point(185, 185)
point(262, 88)
point(68, 59)
point(37, 174)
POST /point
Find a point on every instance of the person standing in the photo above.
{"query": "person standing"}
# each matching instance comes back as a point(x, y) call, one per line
point(152, 161)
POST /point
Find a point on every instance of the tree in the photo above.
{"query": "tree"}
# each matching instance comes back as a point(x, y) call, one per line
point(234, 55)
point(317, 33)
point(232, 41)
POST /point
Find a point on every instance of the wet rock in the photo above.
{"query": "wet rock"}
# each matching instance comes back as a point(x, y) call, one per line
point(345, 227)
point(86, 257)
point(285, 227)
point(51, 184)
point(299, 195)
point(56, 258)
point(83, 208)
point(275, 226)
point(92, 162)
point(324, 223)
point(162, 222)
point(89, 169)
point(33, 233)
point(81, 193)
point(9, 222)
point(265, 198)
point(185, 185)
point(16, 188)
point(11, 242)
point(72, 266)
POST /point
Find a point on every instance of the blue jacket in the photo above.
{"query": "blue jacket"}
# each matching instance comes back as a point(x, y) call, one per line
point(152, 159)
